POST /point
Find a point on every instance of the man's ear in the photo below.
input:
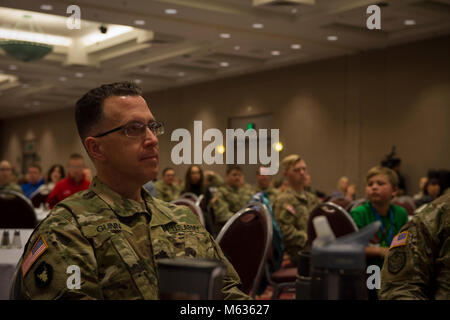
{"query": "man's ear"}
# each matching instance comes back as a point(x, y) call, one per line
point(94, 148)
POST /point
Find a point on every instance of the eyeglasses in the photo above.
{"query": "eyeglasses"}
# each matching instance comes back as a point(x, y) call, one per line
point(137, 129)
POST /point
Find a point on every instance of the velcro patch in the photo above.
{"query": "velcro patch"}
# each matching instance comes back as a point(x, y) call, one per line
point(399, 240)
point(290, 208)
point(38, 249)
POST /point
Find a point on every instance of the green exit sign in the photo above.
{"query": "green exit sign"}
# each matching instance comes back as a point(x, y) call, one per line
point(250, 126)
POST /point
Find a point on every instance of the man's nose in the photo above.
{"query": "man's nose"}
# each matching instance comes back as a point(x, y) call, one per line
point(150, 137)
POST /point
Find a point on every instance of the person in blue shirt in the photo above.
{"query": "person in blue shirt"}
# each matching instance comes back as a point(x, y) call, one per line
point(34, 180)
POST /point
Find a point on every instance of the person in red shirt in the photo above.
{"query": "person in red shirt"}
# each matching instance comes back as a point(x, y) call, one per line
point(73, 183)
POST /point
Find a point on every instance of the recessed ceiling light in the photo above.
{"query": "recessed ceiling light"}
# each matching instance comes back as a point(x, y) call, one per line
point(296, 46)
point(171, 11)
point(275, 53)
point(62, 79)
point(139, 22)
point(137, 81)
point(12, 67)
point(332, 38)
point(294, 10)
point(409, 22)
point(181, 74)
point(79, 74)
point(258, 25)
point(47, 7)
point(237, 48)
point(224, 64)
point(225, 35)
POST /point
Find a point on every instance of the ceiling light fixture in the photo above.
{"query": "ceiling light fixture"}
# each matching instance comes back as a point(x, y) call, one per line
point(171, 11)
point(47, 7)
point(79, 75)
point(258, 25)
point(225, 35)
point(224, 64)
point(296, 46)
point(409, 22)
point(332, 38)
point(62, 79)
point(237, 48)
point(275, 53)
point(139, 22)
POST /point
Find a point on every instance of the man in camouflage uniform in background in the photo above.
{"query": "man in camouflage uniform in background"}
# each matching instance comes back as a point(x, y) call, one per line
point(166, 189)
point(417, 265)
point(263, 184)
point(292, 207)
point(115, 230)
point(232, 197)
point(5, 178)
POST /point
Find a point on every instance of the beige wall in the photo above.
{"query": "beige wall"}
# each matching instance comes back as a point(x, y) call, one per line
point(342, 115)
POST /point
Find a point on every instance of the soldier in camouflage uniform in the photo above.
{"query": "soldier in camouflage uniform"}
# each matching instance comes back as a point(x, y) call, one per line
point(263, 184)
point(232, 197)
point(5, 178)
point(115, 230)
point(166, 189)
point(417, 265)
point(292, 207)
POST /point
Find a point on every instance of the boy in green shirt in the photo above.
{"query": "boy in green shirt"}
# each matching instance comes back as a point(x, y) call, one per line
point(380, 189)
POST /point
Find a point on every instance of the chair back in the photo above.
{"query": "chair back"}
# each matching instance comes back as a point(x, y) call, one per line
point(339, 219)
point(245, 240)
point(16, 211)
point(356, 203)
point(193, 207)
point(405, 202)
point(190, 196)
point(39, 197)
point(341, 201)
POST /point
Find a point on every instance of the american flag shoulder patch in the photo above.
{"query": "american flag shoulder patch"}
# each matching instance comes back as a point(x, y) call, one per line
point(39, 248)
point(399, 240)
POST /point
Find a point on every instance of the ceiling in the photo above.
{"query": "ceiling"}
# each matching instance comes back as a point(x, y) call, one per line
point(203, 41)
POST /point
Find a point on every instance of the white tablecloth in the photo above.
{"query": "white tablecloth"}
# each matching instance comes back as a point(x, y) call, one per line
point(9, 259)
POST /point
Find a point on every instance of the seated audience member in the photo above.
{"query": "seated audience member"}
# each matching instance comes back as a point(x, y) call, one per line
point(438, 181)
point(293, 206)
point(319, 194)
point(73, 183)
point(34, 180)
point(115, 231)
point(381, 187)
point(417, 265)
point(194, 181)
point(166, 189)
point(281, 184)
point(54, 175)
point(6, 182)
point(232, 197)
point(263, 183)
point(420, 194)
point(342, 186)
point(213, 180)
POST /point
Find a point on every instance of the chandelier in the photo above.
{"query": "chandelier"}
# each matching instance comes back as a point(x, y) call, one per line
point(25, 50)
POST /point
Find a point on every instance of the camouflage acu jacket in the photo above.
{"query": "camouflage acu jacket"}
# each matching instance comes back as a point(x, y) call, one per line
point(165, 192)
point(114, 241)
point(418, 263)
point(291, 213)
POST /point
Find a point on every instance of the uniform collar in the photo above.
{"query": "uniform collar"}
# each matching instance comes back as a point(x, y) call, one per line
point(120, 205)
point(300, 195)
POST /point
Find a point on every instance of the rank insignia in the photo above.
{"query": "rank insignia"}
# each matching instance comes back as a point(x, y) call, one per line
point(43, 275)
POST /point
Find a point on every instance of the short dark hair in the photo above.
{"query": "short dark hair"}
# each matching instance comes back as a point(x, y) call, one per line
point(89, 108)
point(76, 156)
point(233, 167)
point(167, 169)
point(35, 165)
